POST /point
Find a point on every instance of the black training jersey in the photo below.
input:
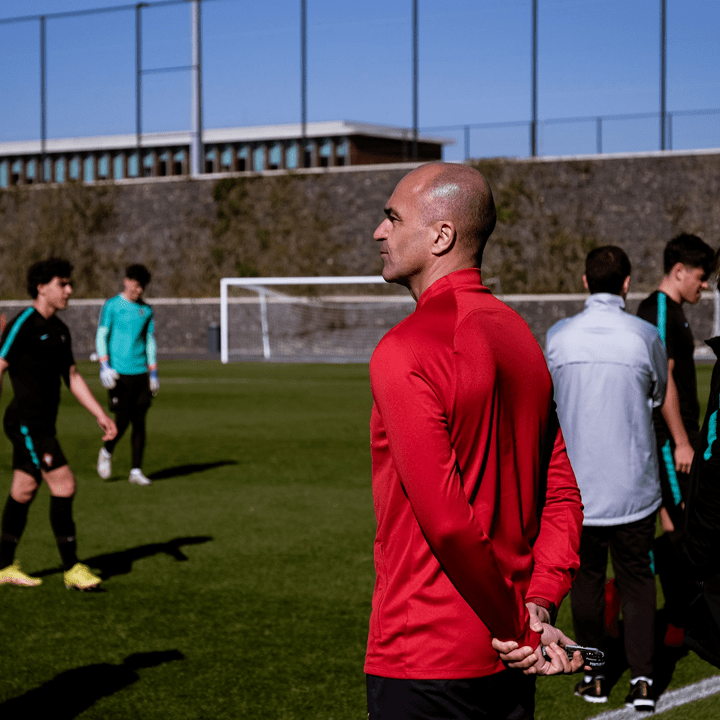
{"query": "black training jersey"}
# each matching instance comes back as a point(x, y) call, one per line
point(669, 318)
point(38, 352)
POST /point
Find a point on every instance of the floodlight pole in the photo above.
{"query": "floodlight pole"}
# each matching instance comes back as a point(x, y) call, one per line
point(196, 144)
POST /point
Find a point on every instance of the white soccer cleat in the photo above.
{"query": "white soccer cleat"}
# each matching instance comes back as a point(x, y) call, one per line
point(137, 477)
point(104, 464)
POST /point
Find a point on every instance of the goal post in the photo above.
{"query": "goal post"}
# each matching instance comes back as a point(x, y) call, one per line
point(307, 319)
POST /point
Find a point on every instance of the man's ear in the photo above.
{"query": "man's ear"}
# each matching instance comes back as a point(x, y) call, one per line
point(445, 236)
point(626, 286)
point(585, 283)
point(677, 271)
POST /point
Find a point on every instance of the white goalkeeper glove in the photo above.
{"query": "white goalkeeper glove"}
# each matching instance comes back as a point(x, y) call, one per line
point(108, 376)
point(154, 382)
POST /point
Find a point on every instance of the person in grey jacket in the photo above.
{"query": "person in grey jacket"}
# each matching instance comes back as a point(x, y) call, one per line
point(609, 369)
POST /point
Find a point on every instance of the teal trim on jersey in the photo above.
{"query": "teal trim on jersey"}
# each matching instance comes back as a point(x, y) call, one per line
point(14, 331)
point(662, 316)
point(652, 563)
point(712, 435)
point(670, 469)
point(30, 446)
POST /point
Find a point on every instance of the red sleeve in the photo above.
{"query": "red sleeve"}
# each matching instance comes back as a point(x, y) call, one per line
point(416, 424)
point(556, 548)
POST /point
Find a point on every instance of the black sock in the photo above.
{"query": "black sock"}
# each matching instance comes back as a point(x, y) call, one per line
point(13, 523)
point(63, 526)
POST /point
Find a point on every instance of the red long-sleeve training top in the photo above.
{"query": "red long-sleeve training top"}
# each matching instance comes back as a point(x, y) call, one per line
point(477, 506)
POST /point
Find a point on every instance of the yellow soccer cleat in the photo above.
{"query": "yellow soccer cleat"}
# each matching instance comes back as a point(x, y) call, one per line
point(80, 578)
point(13, 575)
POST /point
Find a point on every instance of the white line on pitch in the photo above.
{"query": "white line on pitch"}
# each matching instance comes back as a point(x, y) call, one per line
point(669, 700)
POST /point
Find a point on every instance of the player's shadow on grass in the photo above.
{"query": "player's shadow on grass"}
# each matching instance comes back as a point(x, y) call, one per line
point(190, 469)
point(72, 692)
point(120, 562)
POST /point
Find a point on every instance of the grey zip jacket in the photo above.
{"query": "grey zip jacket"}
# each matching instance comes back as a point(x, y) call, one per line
point(609, 369)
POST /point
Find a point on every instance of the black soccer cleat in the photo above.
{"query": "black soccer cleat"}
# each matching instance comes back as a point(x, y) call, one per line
point(592, 689)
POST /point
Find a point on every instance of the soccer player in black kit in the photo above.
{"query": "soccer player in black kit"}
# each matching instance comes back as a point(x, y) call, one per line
point(688, 263)
point(36, 351)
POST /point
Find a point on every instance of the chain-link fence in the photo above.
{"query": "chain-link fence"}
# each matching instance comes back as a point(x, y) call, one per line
point(129, 68)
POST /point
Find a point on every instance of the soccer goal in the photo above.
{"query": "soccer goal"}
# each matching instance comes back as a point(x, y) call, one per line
point(307, 319)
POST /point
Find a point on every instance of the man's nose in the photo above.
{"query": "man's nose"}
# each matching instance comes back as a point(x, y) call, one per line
point(381, 230)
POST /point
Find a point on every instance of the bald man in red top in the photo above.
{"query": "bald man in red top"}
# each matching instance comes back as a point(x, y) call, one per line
point(478, 511)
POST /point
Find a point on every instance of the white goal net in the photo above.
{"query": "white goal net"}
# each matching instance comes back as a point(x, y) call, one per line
point(307, 319)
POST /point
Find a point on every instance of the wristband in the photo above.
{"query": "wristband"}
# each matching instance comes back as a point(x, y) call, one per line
point(543, 603)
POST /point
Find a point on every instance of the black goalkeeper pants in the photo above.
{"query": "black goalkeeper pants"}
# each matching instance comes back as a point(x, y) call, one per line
point(123, 418)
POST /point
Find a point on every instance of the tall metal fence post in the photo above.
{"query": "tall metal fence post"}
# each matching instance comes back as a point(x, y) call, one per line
point(197, 154)
point(663, 71)
point(138, 85)
point(303, 82)
point(40, 172)
point(415, 81)
point(533, 140)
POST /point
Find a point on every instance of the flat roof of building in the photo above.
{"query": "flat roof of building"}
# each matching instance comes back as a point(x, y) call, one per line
point(211, 136)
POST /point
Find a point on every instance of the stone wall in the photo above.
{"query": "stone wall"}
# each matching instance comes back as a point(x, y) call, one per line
point(182, 327)
point(552, 212)
point(193, 232)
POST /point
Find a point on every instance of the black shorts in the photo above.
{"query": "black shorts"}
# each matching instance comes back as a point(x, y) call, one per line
point(508, 695)
point(35, 450)
point(131, 392)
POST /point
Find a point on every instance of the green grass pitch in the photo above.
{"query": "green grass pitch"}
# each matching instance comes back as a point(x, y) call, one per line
point(238, 585)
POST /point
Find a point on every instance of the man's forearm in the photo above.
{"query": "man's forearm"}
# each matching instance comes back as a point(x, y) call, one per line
point(556, 549)
point(671, 412)
point(83, 394)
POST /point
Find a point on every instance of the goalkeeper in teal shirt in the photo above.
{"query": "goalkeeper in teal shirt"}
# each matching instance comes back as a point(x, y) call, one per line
point(125, 344)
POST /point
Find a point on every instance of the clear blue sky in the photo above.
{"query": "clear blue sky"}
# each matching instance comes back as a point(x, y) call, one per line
point(595, 58)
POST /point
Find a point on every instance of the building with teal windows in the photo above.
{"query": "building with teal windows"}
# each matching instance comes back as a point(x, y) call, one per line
point(249, 149)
